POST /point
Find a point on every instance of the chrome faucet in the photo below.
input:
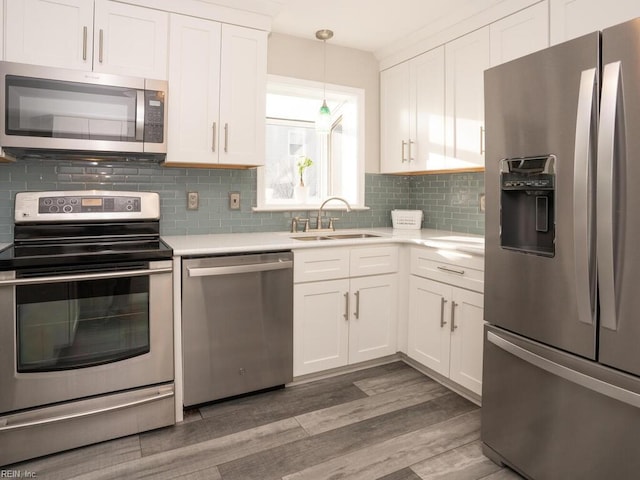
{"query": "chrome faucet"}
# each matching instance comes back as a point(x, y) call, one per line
point(331, 220)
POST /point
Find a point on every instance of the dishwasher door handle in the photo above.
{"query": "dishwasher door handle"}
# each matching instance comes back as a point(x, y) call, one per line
point(233, 269)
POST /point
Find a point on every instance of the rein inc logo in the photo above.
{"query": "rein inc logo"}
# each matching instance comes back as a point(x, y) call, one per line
point(17, 474)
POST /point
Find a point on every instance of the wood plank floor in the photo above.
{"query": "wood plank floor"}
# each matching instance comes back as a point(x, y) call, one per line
point(388, 422)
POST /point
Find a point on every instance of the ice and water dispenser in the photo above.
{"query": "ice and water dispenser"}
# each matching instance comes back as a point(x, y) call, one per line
point(527, 204)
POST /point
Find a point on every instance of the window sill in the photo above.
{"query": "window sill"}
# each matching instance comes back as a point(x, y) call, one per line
point(305, 208)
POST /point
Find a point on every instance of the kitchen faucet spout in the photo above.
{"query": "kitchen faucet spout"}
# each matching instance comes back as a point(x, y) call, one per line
point(331, 227)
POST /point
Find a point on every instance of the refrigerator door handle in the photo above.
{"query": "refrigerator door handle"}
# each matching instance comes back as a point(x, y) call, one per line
point(584, 150)
point(610, 114)
point(591, 383)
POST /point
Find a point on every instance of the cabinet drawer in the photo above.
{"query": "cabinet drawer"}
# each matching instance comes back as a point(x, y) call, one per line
point(462, 270)
point(373, 260)
point(320, 264)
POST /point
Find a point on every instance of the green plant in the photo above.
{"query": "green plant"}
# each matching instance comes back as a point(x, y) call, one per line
point(303, 163)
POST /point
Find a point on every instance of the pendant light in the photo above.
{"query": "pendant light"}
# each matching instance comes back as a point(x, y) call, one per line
point(323, 121)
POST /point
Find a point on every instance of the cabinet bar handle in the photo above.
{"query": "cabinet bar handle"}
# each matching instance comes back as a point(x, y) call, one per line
point(442, 321)
point(357, 312)
point(481, 140)
point(346, 308)
point(101, 44)
point(226, 137)
point(213, 141)
point(450, 270)
point(410, 157)
point(84, 43)
point(403, 145)
point(453, 316)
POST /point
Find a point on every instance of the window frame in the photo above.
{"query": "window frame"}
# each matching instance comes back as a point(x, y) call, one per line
point(332, 90)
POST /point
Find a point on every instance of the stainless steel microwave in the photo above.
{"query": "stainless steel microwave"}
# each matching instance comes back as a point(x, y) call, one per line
point(58, 112)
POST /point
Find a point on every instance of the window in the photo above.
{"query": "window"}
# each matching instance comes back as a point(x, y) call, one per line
point(338, 157)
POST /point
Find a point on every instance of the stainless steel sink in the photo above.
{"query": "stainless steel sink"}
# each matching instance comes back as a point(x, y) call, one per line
point(352, 235)
point(335, 236)
point(312, 238)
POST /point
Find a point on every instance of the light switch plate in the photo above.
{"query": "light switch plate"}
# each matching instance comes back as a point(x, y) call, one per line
point(234, 200)
point(193, 200)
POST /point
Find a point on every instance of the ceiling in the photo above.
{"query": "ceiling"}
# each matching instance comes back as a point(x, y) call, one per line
point(370, 25)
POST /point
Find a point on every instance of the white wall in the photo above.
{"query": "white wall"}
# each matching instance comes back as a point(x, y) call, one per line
point(303, 58)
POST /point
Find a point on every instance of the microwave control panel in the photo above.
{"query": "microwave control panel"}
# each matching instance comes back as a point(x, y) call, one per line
point(153, 117)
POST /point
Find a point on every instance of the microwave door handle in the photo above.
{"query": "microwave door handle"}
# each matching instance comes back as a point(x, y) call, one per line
point(586, 118)
point(610, 114)
point(140, 115)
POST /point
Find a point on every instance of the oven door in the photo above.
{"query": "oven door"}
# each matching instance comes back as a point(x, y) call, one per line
point(76, 333)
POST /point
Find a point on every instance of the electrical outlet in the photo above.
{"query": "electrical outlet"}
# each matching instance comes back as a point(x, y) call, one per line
point(234, 200)
point(482, 203)
point(193, 201)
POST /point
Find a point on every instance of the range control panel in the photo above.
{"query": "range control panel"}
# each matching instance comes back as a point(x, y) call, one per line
point(82, 204)
point(85, 205)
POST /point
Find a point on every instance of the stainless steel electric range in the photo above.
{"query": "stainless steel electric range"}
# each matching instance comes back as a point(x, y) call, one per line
point(86, 324)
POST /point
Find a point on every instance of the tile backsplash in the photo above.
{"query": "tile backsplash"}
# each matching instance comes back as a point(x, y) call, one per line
point(450, 202)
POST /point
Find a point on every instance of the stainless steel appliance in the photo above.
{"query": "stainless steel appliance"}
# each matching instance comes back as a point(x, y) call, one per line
point(86, 331)
point(561, 374)
point(237, 324)
point(68, 113)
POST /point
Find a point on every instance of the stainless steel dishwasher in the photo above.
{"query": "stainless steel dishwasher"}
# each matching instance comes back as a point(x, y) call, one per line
point(237, 324)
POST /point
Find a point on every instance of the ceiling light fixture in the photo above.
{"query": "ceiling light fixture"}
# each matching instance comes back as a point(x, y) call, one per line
point(323, 122)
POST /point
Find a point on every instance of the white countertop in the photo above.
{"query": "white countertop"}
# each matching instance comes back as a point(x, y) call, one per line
point(211, 244)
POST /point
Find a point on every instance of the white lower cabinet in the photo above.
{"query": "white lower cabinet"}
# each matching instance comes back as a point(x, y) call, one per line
point(446, 323)
point(339, 319)
point(321, 329)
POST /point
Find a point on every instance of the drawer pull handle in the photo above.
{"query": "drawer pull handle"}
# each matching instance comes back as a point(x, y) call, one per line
point(451, 270)
point(346, 308)
point(453, 316)
point(442, 321)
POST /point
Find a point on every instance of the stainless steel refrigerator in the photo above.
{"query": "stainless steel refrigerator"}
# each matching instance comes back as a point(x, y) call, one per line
point(561, 372)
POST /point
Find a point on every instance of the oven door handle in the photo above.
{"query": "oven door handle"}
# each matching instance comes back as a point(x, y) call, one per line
point(161, 394)
point(84, 276)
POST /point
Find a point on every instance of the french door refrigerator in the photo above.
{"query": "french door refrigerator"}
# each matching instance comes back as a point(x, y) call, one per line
point(561, 373)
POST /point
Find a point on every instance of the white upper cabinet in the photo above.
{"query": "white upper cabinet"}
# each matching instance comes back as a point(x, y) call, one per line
point(573, 18)
point(520, 34)
point(194, 79)
point(120, 39)
point(432, 108)
point(395, 112)
point(243, 93)
point(130, 40)
point(217, 78)
point(466, 60)
point(412, 108)
point(50, 32)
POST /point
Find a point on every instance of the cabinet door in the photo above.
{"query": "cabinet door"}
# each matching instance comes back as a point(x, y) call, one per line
point(373, 317)
point(427, 137)
point(466, 339)
point(394, 116)
point(243, 84)
point(466, 60)
point(429, 323)
point(320, 326)
point(520, 34)
point(573, 18)
point(130, 40)
point(56, 33)
point(193, 100)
